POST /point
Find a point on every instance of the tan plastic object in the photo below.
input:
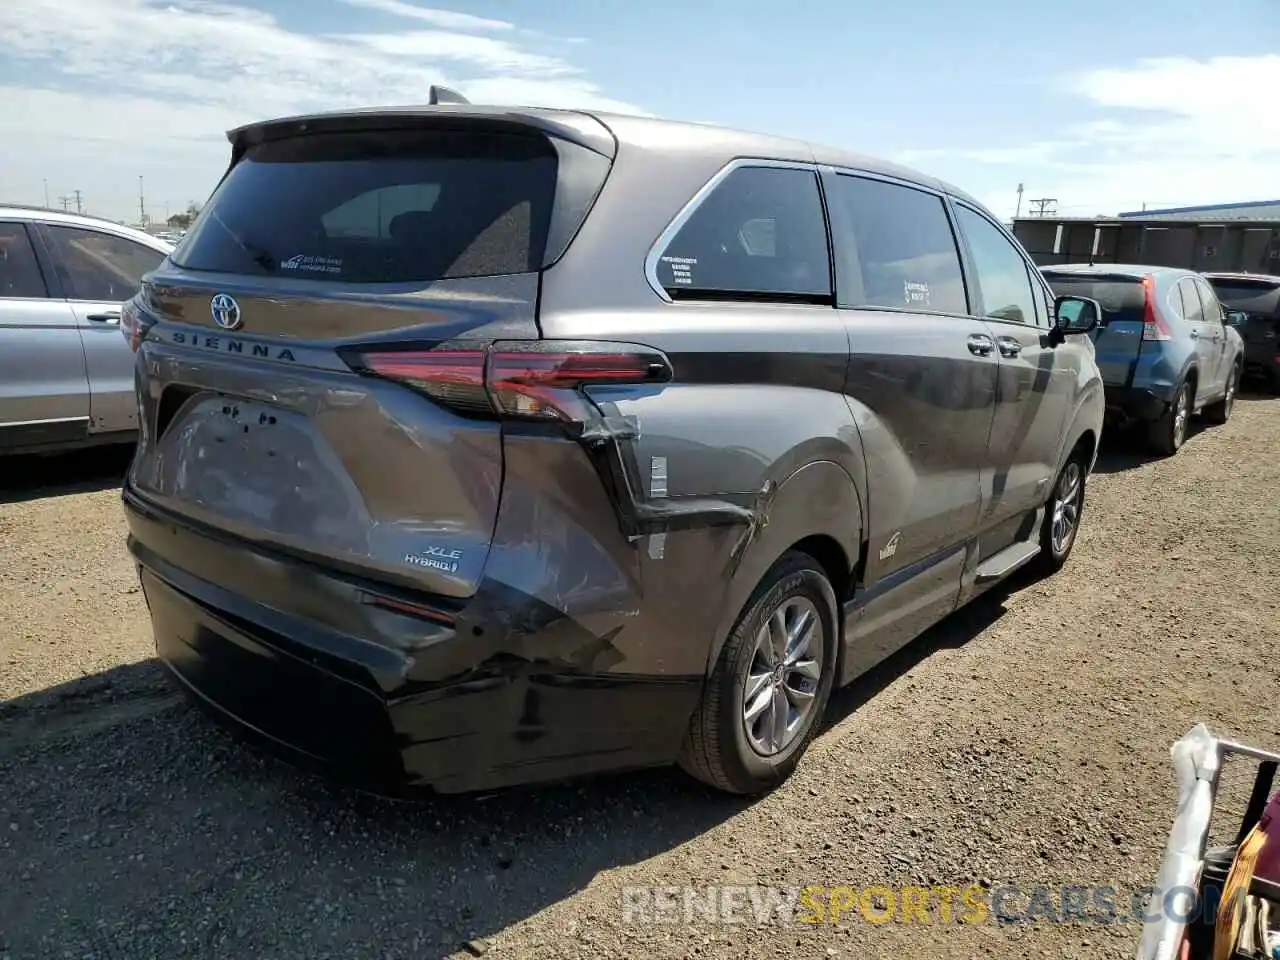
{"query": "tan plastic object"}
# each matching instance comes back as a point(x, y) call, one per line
point(1227, 930)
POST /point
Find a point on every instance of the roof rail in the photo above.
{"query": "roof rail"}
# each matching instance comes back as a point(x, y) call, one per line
point(445, 95)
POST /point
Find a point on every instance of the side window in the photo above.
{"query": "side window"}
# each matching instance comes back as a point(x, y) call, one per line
point(904, 246)
point(1182, 300)
point(1001, 270)
point(1043, 300)
point(1212, 308)
point(760, 233)
point(1192, 308)
point(20, 275)
point(101, 266)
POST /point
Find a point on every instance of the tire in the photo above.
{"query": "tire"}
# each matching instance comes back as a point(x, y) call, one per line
point(723, 749)
point(1063, 512)
point(1167, 435)
point(1220, 412)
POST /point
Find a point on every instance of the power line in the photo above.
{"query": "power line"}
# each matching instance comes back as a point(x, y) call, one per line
point(1046, 206)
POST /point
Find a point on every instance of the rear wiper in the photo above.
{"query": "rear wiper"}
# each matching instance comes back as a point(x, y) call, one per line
point(259, 254)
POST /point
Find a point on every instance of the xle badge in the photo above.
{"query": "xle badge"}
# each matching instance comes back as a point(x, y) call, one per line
point(436, 558)
point(890, 548)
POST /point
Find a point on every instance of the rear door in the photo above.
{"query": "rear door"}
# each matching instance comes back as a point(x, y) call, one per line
point(1215, 329)
point(99, 271)
point(922, 376)
point(400, 248)
point(44, 391)
point(1207, 337)
point(1037, 381)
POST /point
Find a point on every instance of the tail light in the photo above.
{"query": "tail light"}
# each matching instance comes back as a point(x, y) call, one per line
point(132, 324)
point(538, 380)
point(1154, 326)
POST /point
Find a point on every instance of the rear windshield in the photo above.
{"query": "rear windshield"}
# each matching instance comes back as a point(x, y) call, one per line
point(1121, 298)
point(1250, 296)
point(380, 207)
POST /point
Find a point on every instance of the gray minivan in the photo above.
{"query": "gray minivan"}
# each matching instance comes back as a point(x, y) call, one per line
point(488, 445)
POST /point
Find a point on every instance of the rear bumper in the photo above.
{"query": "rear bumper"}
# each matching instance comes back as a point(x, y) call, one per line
point(393, 717)
point(1125, 404)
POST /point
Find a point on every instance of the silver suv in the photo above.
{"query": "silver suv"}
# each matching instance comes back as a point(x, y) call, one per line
point(66, 377)
point(486, 445)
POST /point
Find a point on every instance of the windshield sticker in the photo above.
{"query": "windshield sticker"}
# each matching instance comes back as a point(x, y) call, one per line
point(681, 269)
point(302, 261)
point(914, 292)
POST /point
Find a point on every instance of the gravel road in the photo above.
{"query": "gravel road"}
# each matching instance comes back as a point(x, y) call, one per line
point(1024, 741)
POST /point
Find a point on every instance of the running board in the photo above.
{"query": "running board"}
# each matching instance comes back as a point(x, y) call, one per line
point(1000, 565)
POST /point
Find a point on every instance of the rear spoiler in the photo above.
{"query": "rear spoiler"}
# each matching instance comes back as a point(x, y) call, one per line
point(445, 105)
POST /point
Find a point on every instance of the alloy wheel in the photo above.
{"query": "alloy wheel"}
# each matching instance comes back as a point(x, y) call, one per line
point(1066, 508)
point(783, 678)
point(1181, 413)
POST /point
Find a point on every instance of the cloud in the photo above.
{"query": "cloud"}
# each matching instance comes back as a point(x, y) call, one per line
point(124, 88)
point(445, 19)
point(1168, 131)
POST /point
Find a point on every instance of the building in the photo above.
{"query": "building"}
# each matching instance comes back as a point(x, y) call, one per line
point(1252, 210)
point(1228, 236)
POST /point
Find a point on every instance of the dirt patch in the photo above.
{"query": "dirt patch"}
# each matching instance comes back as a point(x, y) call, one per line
point(1024, 741)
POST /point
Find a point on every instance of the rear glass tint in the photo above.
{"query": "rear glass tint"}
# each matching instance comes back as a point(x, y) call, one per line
point(1121, 298)
point(380, 207)
point(1250, 296)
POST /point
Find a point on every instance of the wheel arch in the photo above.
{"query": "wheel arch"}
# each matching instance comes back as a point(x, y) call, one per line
point(816, 510)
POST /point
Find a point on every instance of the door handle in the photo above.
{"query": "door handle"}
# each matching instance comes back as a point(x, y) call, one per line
point(1010, 347)
point(111, 316)
point(980, 344)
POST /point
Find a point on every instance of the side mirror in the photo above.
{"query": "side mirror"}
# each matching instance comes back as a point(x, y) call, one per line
point(1235, 318)
point(1073, 315)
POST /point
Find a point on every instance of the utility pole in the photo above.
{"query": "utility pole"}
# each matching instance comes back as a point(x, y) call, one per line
point(79, 208)
point(1018, 212)
point(64, 201)
point(142, 205)
point(46, 193)
point(1042, 206)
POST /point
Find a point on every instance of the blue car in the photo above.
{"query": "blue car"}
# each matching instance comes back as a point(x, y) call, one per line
point(1165, 345)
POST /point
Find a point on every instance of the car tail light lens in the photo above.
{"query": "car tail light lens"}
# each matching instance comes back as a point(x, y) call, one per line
point(537, 380)
point(131, 324)
point(1154, 326)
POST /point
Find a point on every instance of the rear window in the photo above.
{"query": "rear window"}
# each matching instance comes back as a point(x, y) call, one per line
point(1121, 298)
point(1250, 296)
point(380, 207)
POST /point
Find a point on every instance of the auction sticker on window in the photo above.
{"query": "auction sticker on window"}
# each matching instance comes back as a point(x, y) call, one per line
point(681, 269)
point(310, 264)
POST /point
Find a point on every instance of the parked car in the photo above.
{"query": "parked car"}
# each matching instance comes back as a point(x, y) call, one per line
point(483, 446)
point(1163, 345)
point(1253, 302)
point(67, 376)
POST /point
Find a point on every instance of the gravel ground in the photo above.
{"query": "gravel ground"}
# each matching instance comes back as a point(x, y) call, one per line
point(1024, 741)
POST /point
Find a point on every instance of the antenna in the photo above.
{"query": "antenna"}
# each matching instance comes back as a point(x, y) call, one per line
point(441, 95)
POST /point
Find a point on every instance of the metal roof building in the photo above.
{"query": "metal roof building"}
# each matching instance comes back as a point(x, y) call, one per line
point(1241, 236)
point(1252, 210)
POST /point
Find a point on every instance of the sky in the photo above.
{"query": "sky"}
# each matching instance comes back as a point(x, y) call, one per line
point(1103, 105)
